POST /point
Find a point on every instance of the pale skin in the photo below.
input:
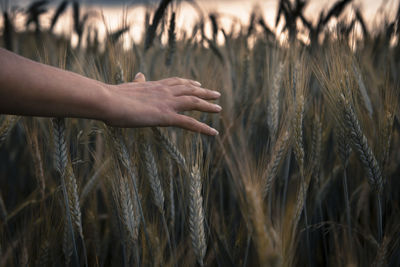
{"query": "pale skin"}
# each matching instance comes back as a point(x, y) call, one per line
point(29, 88)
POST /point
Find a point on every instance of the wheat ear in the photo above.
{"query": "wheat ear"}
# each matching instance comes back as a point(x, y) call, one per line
point(73, 198)
point(44, 254)
point(152, 173)
point(298, 132)
point(6, 127)
point(61, 161)
point(278, 154)
point(171, 148)
point(316, 146)
point(360, 143)
point(129, 216)
point(273, 107)
point(196, 216)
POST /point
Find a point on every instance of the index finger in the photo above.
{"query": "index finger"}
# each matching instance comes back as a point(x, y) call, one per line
point(179, 81)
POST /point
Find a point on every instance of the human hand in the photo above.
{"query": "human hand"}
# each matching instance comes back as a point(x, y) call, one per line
point(158, 103)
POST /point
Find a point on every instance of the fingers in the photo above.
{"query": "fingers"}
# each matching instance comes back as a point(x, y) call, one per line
point(139, 78)
point(188, 96)
point(197, 91)
point(179, 81)
point(191, 124)
point(187, 103)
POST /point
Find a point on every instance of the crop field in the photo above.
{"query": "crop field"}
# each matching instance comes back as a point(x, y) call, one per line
point(305, 170)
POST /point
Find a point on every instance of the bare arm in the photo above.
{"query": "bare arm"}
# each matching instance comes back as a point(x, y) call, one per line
point(33, 89)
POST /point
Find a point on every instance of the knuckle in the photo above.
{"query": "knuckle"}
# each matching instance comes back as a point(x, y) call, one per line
point(194, 90)
point(187, 99)
point(169, 118)
point(163, 89)
point(194, 100)
point(205, 92)
point(191, 122)
point(180, 88)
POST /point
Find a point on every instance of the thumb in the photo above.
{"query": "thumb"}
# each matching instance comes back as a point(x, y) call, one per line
point(139, 78)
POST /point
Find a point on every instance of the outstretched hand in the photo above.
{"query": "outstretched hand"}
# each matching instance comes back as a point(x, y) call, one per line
point(159, 103)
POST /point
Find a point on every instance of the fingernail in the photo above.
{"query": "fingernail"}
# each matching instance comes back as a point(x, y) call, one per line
point(217, 93)
point(214, 132)
point(197, 83)
point(218, 107)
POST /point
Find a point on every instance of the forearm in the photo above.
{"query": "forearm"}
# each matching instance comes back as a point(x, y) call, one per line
point(31, 88)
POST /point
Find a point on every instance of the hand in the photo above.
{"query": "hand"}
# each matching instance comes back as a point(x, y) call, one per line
point(158, 103)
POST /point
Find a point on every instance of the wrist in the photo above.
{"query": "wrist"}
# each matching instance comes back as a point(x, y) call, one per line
point(105, 103)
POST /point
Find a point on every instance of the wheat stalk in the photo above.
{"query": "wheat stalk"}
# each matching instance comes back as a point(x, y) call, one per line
point(171, 193)
point(300, 203)
point(151, 31)
point(387, 138)
point(171, 41)
point(3, 209)
point(93, 181)
point(38, 164)
point(363, 91)
point(68, 243)
point(344, 150)
point(367, 157)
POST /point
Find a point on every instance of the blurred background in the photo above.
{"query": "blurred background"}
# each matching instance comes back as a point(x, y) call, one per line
point(109, 15)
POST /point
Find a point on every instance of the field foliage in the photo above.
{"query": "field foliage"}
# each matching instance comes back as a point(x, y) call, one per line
point(303, 173)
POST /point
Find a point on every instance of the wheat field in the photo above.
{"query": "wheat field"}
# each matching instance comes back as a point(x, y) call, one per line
point(305, 170)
